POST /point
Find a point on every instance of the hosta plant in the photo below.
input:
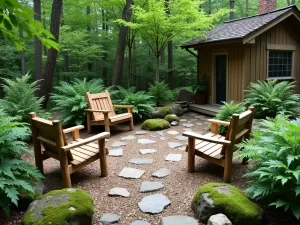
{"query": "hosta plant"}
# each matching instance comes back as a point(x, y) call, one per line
point(16, 175)
point(161, 93)
point(271, 97)
point(70, 102)
point(19, 98)
point(274, 163)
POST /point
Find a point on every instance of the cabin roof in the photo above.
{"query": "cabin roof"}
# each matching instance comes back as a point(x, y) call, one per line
point(240, 28)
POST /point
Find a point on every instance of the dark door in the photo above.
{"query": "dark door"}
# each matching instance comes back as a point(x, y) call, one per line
point(221, 71)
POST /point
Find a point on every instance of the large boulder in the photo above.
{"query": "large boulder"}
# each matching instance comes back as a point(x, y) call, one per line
point(160, 112)
point(155, 124)
point(25, 199)
point(214, 198)
point(185, 95)
point(171, 117)
point(175, 109)
point(67, 206)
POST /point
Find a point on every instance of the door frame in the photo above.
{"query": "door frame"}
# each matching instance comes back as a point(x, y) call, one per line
point(213, 80)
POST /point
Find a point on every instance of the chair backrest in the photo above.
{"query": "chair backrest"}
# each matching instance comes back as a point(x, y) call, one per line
point(50, 134)
point(240, 127)
point(100, 101)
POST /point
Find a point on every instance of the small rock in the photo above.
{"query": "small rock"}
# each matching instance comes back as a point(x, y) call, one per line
point(154, 204)
point(163, 138)
point(141, 161)
point(145, 141)
point(149, 186)
point(140, 132)
point(163, 172)
point(187, 129)
point(219, 219)
point(109, 218)
point(187, 125)
point(174, 123)
point(140, 222)
point(181, 138)
point(147, 151)
point(129, 137)
point(178, 220)
point(116, 152)
point(173, 132)
point(182, 120)
point(119, 192)
point(182, 149)
point(174, 144)
point(161, 133)
point(131, 173)
point(200, 124)
point(118, 144)
point(173, 157)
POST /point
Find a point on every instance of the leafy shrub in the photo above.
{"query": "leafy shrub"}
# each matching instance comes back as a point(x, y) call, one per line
point(70, 102)
point(142, 102)
point(19, 99)
point(269, 98)
point(16, 174)
point(225, 114)
point(160, 92)
point(274, 153)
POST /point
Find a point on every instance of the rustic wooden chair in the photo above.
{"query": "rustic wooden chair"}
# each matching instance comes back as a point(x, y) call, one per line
point(216, 148)
point(73, 156)
point(101, 112)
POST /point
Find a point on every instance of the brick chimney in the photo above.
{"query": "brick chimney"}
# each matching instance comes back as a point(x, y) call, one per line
point(266, 6)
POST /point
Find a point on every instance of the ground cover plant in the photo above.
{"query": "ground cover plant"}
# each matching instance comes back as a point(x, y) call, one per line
point(271, 97)
point(274, 169)
point(161, 93)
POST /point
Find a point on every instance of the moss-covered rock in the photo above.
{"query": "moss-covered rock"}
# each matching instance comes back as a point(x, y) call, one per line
point(160, 112)
point(25, 199)
point(155, 124)
point(175, 109)
point(214, 198)
point(171, 118)
point(61, 207)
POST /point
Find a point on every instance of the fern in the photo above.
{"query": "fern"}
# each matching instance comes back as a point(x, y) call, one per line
point(70, 102)
point(16, 175)
point(270, 98)
point(19, 99)
point(274, 171)
point(160, 92)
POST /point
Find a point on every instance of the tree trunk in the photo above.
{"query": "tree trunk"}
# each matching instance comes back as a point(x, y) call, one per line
point(288, 2)
point(231, 8)
point(44, 24)
point(126, 15)
point(209, 7)
point(129, 67)
point(157, 68)
point(247, 8)
point(22, 56)
point(88, 12)
point(38, 48)
point(52, 53)
point(170, 64)
point(104, 57)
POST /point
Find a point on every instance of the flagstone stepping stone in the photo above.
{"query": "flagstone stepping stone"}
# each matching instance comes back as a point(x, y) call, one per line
point(187, 129)
point(161, 133)
point(118, 144)
point(116, 152)
point(140, 222)
point(187, 125)
point(129, 137)
point(131, 173)
point(178, 220)
point(119, 192)
point(198, 117)
point(154, 204)
point(182, 149)
point(147, 151)
point(207, 123)
point(163, 172)
point(182, 120)
point(193, 120)
point(109, 218)
point(181, 138)
point(149, 186)
point(141, 161)
point(163, 138)
point(200, 124)
point(173, 157)
point(153, 136)
point(174, 144)
point(145, 141)
point(140, 132)
point(173, 132)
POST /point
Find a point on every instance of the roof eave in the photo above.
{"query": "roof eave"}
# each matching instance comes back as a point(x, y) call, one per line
point(212, 43)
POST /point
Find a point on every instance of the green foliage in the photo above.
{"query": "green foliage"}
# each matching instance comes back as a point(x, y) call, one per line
point(155, 124)
point(20, 100)
point(142, 102)
point(274, 156)
point(201, 85)
point(70, 102)
point(270, 98)
point(16, 175)
point(161, 93)
point(236, 206)
point(225, 114)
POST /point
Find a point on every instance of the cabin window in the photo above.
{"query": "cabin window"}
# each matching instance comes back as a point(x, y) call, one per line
point(280, 64)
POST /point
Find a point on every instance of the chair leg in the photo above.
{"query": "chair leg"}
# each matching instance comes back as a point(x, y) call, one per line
point(89, 127)
point(131, 124)
point(65, 170)
point(102, 154)
point(228, 165)
point(191, 155)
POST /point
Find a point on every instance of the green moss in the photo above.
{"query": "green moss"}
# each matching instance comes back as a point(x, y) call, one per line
point(155, 124)
point(237, 206)
point(171, 118)
point(60, 215)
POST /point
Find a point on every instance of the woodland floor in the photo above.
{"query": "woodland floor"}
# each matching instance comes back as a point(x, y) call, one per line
point(180, 186)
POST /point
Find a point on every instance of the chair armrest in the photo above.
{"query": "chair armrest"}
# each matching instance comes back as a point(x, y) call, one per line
point(124, 106)
point(204, 138)
point(219, 122)
point(94, 110)
point(72, 129)
point(86, 141)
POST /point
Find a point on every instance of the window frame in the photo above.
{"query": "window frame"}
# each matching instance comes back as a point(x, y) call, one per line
point(283, 48)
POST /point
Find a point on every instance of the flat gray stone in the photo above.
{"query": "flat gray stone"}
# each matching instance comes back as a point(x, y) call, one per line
point(200, 124)
point(129, 137)
point(116, 152)
point(140, 132)
point(163, 172)
point(182, 120)
point(174, 144)
point(140, 222)
point(147, 151)
point(118, 144)
point(187, 125)
point(131, 173)
point(163, 138)
point(149, 186)
point(182, 148)
point(119, 192)
point(174, 123)
point(173, 157)
point(109, 218)
point(161, 133)
point(154, 204)
point(173, 132)
point(193, 120)
point(178, 220)
point(154, 136)
point(207, 123)
point(141, 161)
point(145, 141)
point(187, 129)
point(181, 138)
point(219, 219)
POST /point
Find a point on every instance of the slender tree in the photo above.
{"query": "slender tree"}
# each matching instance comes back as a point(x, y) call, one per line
point(231, 9)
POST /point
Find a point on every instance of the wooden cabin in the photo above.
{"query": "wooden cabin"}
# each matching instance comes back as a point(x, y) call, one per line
point(265, 46)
